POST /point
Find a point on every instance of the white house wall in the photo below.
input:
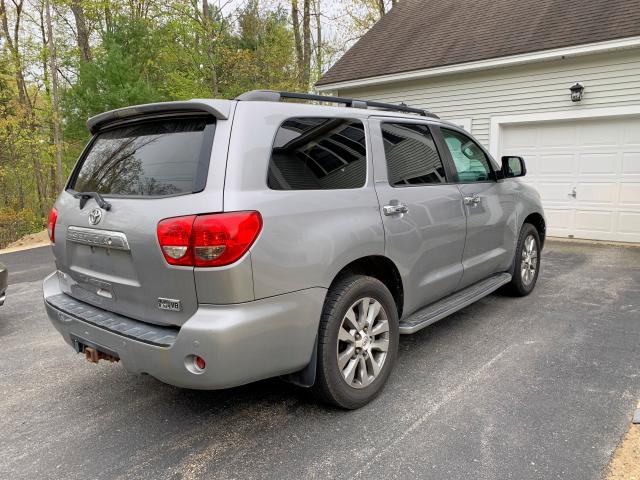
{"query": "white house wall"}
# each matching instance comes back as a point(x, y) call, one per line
point(610, 79)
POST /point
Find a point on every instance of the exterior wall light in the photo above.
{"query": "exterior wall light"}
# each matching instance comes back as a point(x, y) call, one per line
point(576, 92)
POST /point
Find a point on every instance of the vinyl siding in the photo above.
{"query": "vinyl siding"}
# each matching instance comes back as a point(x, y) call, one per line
point(610, 80)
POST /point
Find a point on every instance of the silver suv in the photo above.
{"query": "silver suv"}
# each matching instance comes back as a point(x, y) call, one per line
point(212, 243)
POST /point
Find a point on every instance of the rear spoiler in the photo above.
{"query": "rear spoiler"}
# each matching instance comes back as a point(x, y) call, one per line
point(220, 109)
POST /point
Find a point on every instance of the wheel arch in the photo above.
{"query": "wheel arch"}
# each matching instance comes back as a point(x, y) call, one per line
point(537, 220)
point(381, 268)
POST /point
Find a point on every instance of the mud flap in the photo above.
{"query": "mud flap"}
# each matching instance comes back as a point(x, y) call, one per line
point(307, 376)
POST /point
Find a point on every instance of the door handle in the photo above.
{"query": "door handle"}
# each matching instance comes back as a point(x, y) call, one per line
point(473, 200)
point(394, 209)
point(573, 193)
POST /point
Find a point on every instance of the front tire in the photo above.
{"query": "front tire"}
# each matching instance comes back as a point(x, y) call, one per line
point(357, 342)
point(526, 262)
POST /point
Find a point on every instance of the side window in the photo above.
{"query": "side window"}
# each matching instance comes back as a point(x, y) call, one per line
point(412, 157)
point(470, 161)
point(318, 154)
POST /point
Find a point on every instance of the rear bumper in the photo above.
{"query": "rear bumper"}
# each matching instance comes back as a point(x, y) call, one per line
point(240, 343)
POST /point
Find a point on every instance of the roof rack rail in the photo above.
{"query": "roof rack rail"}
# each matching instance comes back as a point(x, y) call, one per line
point(273, 96)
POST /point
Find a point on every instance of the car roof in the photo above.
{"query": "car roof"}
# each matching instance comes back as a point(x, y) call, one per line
point(221, 109)
point(354, 112)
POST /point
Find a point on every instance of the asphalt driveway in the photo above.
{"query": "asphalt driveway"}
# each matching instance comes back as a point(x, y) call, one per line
point(537, 387)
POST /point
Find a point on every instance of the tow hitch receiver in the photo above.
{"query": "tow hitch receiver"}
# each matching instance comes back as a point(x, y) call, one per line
point(94, 356)
point(93, 353)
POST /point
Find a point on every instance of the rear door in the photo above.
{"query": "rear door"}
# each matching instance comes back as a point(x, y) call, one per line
point(147, 170)
point(489, 205)
point(422, 212)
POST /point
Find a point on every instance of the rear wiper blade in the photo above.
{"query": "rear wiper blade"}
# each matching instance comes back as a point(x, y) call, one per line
point(85, 196)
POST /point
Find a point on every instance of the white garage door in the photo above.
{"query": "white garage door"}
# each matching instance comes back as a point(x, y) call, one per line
point(587, 172)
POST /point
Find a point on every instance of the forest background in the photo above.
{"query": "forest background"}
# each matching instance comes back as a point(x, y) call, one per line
point(62, 61)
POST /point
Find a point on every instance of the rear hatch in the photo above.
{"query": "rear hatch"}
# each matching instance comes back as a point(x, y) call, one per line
point(148, 169)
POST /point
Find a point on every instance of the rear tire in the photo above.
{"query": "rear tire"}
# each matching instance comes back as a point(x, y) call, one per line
point(357, 342)
point(526, 262)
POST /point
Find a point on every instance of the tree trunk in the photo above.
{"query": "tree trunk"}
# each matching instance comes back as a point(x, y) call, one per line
point(306, 38)
point(295, 18)
point(318, 39)
point(108, 19)
point(13, 45)
point(40, 188)
point(82, 35)
point(43, 53)
point(209, 42)
point(55, 102)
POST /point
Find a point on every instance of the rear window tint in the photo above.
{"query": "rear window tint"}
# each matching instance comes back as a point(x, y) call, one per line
point(318, 154)
point(168, 157)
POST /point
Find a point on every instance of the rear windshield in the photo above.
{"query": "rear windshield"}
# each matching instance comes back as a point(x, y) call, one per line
point(168, 157)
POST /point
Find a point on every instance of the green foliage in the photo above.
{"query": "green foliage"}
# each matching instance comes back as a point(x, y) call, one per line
point(140, 61)
point(124, 71)
point(263, 54)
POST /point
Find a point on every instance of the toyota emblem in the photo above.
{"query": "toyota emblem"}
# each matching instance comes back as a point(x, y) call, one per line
point(95, 216)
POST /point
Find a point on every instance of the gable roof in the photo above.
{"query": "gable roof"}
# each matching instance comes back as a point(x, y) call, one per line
point(423, 34)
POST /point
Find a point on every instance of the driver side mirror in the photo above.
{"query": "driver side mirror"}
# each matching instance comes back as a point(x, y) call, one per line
point(513, 167)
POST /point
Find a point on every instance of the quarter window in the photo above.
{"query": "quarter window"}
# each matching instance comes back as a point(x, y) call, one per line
point(318, 154)
point(412, 157)
point(470, 160)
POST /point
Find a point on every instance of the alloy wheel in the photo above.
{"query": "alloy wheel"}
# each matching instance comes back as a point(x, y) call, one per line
point(363, 342)
point(529, 262)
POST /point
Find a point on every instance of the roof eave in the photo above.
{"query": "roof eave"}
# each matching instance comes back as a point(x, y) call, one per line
point(598, 47)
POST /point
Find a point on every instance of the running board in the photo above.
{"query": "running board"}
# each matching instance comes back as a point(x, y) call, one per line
point(448, 305)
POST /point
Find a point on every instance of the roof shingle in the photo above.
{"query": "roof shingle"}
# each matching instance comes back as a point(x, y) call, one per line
point(421, 34)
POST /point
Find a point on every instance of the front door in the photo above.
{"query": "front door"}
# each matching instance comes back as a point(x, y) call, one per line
point(423, 214)
point(489, 205)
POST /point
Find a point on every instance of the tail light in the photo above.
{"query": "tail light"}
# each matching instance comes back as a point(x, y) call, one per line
point(174, 235)
point(51, 224)
point(208, 240)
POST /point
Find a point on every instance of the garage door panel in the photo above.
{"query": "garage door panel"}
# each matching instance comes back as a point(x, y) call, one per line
point(555, 164)
point(631, 163)
point(631, 133)
point(560, 220)
point(599, 133)
point(594, 221)
point(564, 135)
point(521, 136)
point(630, 193)
point(600, 158)
point(598, 163)
point(533, 164)
point(604, 192)
point(554, 192)
point(629, 223)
